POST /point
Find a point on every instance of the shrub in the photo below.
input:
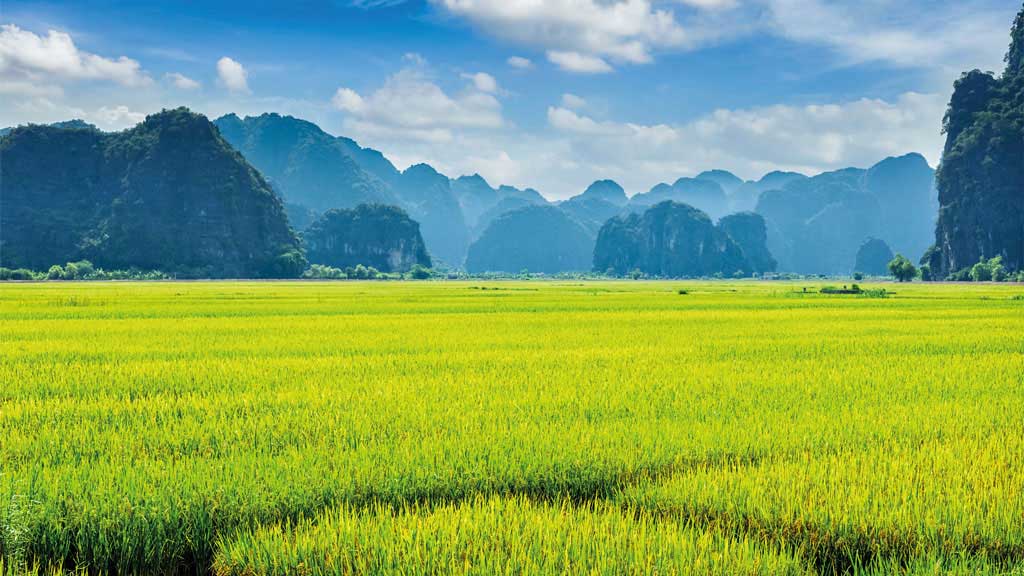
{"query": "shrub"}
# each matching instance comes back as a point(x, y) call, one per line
point(902, 269)
point(321, 272)
point(987, 270)
point(55, 273)
point(418, 272)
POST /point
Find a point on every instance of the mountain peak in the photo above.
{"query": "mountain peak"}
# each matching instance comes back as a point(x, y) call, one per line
point(727, 180)
point(473, 180)
point(420, 170)
point(607, 190)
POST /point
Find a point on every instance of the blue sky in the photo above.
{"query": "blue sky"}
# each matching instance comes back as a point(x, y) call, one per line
point(551, 94)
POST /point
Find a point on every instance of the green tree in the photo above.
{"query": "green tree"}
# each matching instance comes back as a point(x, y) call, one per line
point(981, 272)
point(419, 272)
point(902, 269)
point(71, 271)
point(55, 273)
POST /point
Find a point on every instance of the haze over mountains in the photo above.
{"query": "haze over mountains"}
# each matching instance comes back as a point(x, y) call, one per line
point(255, 197)
point(814, 225)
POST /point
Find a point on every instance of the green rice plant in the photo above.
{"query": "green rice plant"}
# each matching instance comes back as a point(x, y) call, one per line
point(495, 535)
point(154, 427)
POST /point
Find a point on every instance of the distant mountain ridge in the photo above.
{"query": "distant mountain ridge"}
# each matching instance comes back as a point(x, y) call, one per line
point(816, 225)
point(315, 172)
point(813, 225)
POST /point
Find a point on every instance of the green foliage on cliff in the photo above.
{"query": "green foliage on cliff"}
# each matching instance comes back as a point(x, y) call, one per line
point(981, 178)
point(377, 236)
point(669, 240)
point(170, 194)
point(536, 238)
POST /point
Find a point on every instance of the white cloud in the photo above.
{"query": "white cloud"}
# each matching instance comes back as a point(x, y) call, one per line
point(115, 118)
point(947, 36)
point(578, 35)
point(811, 139)
point(29, 88)
point(710, 4)
point(573, 102)
point(483, 82)
point(520, 62)
point(347, 100)
point(499, 167)
point(181, 82)
point(36, 64)
point(411, 104)
point(595, 35)
point(233, 75)
point(576, 62)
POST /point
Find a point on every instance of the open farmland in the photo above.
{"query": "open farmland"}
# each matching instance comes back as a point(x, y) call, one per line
point(510, 427)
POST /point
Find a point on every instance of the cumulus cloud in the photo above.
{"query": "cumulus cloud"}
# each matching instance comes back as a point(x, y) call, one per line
point(948, 37)
point(181, 82)
point(38, 64)
point(710, 4)
point(573, 102)
point(347, 100)
point(595, 35)
point(578, 35)
point(411, 104)
point(115, 118)
point(520, 62)
point(576, 62)
point(233, 75)
point(750, 142)
point(483, 82)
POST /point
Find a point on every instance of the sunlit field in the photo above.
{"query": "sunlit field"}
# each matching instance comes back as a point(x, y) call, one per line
point(511, 428)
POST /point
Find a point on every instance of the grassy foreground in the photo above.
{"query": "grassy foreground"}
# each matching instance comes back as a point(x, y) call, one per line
point(514, 428)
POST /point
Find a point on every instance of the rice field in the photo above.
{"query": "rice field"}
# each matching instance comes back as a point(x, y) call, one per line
point(510, 428)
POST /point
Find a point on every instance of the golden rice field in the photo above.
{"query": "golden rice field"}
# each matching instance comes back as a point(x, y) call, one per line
point(510, 428)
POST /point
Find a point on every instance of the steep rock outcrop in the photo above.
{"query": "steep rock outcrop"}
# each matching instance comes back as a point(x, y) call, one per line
point(536, 238)
point(427, 196)
point(873, 258)
point(668, 240)
point(816, 224)
point(170, 194)
point(372, 235)
point(305, 165)
point(981, 177)
point(749, 231)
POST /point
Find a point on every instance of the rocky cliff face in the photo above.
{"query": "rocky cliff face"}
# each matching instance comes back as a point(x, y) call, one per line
point(981, 177)
point(307, 166)
point(372, 235)
point(669, 240)
point(169, 194)
point(536, 238)
point(750, 233)
point(427, 196)
point(873, 258)
point(815, 225)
